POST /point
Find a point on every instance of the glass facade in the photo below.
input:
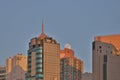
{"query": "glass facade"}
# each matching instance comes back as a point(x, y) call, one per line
point(39, 64)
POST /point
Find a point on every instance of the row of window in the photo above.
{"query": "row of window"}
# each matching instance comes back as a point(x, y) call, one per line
point(38, 56)
point(38, 66)
point(39, 51)
point(39, 70)
point(37, 77)
point(39, 60)
point(33, 46)
point(2, 71)
point(2, 76)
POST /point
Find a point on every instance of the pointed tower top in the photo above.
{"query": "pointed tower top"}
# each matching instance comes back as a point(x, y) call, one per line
point(42, 35)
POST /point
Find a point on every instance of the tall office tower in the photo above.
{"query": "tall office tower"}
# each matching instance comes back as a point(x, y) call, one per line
point(43, 58)
point(2, 73)
point(16, 67)
point(71, 67)
point(106, 58)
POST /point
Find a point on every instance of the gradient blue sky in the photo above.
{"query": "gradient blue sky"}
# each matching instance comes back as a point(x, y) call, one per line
point(68, 21)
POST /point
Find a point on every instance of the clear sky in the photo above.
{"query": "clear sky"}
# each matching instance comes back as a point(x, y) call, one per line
point(68, 21)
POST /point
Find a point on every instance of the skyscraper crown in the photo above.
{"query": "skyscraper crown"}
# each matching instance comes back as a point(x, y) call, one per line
point(42, 35)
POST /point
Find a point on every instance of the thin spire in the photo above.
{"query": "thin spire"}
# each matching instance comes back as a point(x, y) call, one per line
point(42, 26)
point(42, 35)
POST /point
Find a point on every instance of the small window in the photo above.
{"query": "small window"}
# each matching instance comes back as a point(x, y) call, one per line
point(39, 45)
point(33, 46)
point(105, 58)
point(100, 47)
point(111, 52)
point(93, 45)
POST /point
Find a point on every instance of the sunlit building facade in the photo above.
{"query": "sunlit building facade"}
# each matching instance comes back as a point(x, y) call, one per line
point(43, 58)
point(106, 58)
point(111, 39)
point(8, 65)
point(2, 73)
point(16, 67)
point(71, 67)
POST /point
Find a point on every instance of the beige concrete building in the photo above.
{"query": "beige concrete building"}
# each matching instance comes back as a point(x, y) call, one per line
point(9, 64)
point(16, 67)
point(43, 58)
point(106, 59)
point(87, 76)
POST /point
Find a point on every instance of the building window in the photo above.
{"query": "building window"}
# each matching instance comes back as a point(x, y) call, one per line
point(40, 60)
point(39, 70)
point(104, 71)
point(29, 54)
point(39, 45)
point(39, 75)
point(105, 68)
point(39, 56)
point(100, 47)
point(29, 64)
point(33, 46)
point(39, 65)
point(105, 58)
point(29, 59)
point(29, 69)
point(39, 51)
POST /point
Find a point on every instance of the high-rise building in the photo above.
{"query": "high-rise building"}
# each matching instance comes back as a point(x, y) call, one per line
point(16, 67)
point(106, 58)
point(2, 73)
point(43, 58)
point(71, 67)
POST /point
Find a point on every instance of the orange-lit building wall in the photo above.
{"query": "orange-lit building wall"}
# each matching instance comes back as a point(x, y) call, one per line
point(79, 65)
point(20, 60)
point(66, 53)
point(8, 65)
point(113, 39)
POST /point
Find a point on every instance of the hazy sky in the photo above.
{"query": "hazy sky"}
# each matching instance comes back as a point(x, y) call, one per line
point(68, 21)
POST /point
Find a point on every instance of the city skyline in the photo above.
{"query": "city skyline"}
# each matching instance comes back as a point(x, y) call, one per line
point(74, 22)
